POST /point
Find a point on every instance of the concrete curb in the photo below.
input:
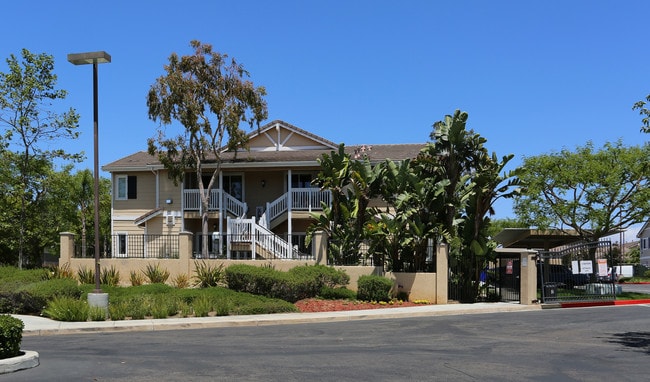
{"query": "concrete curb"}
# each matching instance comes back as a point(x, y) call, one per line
point(39, 326)
point(26, 361)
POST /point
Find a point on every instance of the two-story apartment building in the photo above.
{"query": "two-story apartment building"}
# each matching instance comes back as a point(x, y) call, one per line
point(260, 208)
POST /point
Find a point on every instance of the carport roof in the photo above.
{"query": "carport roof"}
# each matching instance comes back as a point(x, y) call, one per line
point(536, 238)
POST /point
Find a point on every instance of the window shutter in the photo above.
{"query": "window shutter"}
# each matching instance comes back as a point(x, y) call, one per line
point(132, 184)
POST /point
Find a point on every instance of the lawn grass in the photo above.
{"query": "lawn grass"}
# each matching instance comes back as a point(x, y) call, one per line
point(134, 302)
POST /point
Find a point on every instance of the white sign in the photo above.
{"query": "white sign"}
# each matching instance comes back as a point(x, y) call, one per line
point(586, 267)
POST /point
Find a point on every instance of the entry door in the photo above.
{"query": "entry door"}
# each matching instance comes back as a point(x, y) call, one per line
point(234, 185)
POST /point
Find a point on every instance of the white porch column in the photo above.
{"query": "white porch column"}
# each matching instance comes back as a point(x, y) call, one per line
point(221, 209)
point(289, 209)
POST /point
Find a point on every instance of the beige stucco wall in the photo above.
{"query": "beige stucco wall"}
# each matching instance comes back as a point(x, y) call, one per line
point(419, 286)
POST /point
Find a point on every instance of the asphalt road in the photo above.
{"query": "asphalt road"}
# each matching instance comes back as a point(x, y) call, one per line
point(579, 344)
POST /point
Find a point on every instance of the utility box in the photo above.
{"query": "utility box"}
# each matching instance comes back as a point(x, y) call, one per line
point(550, 291)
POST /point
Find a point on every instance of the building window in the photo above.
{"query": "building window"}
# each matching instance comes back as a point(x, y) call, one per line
point(644, 243)
point(120, 245)
point(301, 181)
point(126, 187)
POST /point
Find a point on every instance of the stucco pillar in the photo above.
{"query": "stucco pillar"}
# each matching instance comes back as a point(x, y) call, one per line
point(528, 280)
point(185, 251)
point(319, 247)
point(442, 273)
point(66, 244)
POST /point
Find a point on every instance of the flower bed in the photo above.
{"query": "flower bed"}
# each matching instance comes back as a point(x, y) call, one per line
point(321, 305)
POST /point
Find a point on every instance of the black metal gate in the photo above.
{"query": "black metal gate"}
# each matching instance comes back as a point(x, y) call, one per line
point(500, 281)
point(577, 273)
point(507, 277)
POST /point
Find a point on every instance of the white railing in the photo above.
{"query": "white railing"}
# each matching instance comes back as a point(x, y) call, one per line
point(276, 208)
point(308, 199)
point(247, 231)
point(234, 206)
point(302, 199)
point(192, 202)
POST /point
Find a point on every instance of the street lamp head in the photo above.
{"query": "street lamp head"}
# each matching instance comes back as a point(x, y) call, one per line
point(89, 58)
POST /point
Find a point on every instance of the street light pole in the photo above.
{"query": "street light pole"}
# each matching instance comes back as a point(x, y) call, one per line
point(94, 58)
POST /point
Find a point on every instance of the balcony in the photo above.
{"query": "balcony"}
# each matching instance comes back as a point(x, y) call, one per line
point(192, 202)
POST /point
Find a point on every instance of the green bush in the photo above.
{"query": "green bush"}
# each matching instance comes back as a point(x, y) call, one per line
point(12, 278)
point(20, 303)
point(67, 309)
point(340, 293)
point(11, 335)
point(646, 274)
point(118, 310)
point(136, 278)
point(86, 275)
point(109, 276)
point(202, 306)
point(97, 313)
point(156, 274)
point(206, 275)
point(297, 284)
point(374, 288)
point(43, 291)
point(325, 276)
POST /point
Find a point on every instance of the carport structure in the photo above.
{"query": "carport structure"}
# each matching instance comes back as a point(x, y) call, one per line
point(563, 250)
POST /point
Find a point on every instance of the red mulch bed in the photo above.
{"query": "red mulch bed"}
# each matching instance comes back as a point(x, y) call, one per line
point(320, 305)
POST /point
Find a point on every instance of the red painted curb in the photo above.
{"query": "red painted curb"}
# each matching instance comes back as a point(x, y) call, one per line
point(602, 303)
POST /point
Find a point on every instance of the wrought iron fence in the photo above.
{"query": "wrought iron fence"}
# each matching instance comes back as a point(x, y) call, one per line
point(577, 273)
point(362, 253)
point(130, 246)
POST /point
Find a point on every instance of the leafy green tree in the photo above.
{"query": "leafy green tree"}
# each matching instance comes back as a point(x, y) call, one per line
point(27, 91)
point(595, 192)
point(210, 96)
point(475, 181)
point(644, 112)
point(353, 182)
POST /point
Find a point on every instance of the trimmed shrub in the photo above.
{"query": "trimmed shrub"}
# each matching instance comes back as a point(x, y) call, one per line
point(11, 335)
point(325, 276)
point(20, 303)
point(341, 293)
point(297, 284)
point(374, 288)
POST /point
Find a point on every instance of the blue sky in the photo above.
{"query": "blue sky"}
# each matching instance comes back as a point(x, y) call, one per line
point(534, 76)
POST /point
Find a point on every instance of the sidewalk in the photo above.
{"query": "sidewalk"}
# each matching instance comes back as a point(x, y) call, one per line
point(40, 326)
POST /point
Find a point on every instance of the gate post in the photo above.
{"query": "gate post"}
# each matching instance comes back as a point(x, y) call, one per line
point(528, 280)
point(442, 274)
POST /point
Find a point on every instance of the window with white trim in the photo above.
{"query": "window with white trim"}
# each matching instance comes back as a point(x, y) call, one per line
point(126, 187)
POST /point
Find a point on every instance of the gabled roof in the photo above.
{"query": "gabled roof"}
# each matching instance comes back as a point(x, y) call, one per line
point(646, 225)
point(278, 144)
point(281, 136)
